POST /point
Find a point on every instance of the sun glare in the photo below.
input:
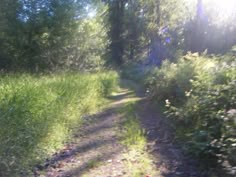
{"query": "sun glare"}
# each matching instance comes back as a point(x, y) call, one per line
point(229, 6)
point(222, 11)
point(225, 7)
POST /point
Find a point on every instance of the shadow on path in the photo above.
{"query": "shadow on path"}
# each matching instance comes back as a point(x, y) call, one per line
point(96, 152)
point(93, 145)
point(168, 157)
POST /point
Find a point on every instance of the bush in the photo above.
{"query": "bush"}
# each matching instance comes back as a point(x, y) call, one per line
point(172, 80)
point(135, 72)
point(200, 95)
point(38, 113)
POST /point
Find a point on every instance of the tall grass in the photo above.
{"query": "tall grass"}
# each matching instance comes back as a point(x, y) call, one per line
point(38, 112)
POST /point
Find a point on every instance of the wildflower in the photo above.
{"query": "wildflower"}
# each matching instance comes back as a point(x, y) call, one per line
point(167, 103)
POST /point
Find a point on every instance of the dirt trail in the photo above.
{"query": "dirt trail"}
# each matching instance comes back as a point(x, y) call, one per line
point(96, 150)
point(168, 157)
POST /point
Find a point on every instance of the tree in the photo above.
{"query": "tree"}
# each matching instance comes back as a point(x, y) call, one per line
point(116, 10)
point(44, 34)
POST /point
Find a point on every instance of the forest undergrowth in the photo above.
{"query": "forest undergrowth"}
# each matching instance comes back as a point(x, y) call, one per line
point(199, 94)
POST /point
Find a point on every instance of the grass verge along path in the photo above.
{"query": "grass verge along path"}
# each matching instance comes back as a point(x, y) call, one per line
point(129, 138)
point(111, 143)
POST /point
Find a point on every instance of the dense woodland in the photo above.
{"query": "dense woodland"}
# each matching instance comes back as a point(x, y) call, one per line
point(39, 35)
point(183, 52)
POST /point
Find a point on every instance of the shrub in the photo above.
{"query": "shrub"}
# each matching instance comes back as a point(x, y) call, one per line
point(200, 94)
point(134, 71)
point(172, 80)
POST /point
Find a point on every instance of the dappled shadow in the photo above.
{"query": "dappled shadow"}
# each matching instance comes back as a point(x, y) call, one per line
point(92, 162)
point(92, 144)
point(83, 148)
point(167, 155)
point(136, 87)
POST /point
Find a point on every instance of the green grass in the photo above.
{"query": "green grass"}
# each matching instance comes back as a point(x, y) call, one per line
point(133, 134)
point(37, 113)
point(139, 162)
point(93, 163)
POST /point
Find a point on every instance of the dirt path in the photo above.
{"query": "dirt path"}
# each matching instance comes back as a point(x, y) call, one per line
point(168, 157)
point(96, 150)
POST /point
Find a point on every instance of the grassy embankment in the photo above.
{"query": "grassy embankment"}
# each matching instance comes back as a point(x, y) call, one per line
point(38, 113)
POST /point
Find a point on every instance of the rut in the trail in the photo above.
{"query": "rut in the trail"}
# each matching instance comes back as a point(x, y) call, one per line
point(169, 159)
point(96, 150)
